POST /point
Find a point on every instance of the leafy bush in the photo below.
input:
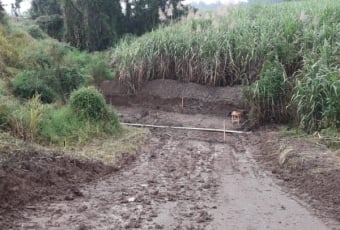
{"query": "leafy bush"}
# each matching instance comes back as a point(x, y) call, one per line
point(36, 32)
point(100, 70)
point(64, 80)
point(78, 122)
point(9, 55)
point(53, 25)
point(28, 83)
point(89, 104)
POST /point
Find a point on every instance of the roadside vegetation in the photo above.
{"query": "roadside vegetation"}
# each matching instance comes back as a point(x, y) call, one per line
point(286, 55)
point(46, 87)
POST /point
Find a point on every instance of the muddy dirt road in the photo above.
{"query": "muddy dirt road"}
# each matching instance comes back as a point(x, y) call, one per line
point(180, 180)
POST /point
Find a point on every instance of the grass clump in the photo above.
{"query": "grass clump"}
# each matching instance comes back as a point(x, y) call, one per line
point(89, 104)
point(28, 83)
point(269, 95)
point(85, 117)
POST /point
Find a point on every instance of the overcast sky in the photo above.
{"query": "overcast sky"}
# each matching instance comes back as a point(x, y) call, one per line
point(25, 5)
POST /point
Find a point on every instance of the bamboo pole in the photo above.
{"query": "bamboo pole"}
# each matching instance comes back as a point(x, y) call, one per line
point(184, 128)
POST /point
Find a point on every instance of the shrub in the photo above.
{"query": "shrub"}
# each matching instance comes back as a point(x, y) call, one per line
point(28, 83)
point(53, 25)
point(36, 32)
point(65, 124)
point(64, 80)
point(21, 120)
point(7, 108)
point(100, 71)
point(9, 55)
point(89, 104)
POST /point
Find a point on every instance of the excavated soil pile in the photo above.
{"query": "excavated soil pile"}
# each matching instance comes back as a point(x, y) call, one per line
point(29, 175)
point(167, 95)
point(309, 169)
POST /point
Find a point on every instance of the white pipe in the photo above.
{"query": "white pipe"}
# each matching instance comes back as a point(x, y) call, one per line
point(185, 128)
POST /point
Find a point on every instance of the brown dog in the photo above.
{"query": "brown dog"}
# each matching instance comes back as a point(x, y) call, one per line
point(236, 117)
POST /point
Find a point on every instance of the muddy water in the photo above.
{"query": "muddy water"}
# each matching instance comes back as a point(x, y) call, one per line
point(180, 180)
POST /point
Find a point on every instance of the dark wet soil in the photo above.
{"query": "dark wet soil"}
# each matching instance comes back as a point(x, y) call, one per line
point(33, 175)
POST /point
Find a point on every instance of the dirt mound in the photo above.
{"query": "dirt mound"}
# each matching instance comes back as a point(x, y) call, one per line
point(309, 169)
point(30, 175)
point(170, 89)
point(167, 89)
point(167, 95)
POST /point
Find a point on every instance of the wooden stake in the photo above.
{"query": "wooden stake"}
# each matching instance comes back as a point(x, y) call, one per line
point(182, 102)
point(224, 130)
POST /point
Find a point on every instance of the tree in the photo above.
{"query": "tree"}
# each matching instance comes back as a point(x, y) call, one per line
point(45, 7)
point(142, 16)
point(92, 25)
point(48, 15)
point(2, 13)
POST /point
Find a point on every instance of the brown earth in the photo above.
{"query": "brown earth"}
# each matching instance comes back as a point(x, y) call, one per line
point(308, 169)
point(180, 179)
point(30, 175)
point(166, 95)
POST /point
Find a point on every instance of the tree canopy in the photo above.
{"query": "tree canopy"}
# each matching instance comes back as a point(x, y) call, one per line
point(98, 24)
point(2, 12)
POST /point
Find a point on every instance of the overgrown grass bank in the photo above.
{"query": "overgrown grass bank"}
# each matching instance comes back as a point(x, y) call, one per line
point(43, 88)
point(288, 53)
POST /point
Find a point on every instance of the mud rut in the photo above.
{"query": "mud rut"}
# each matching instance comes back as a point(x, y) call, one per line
point(180, 180)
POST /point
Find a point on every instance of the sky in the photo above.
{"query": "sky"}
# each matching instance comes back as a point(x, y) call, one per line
point(25, 5)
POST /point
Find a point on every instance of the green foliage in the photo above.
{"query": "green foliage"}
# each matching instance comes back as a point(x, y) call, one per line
point(89, 104)
point(51, 84)
point(65, 80)
point(270, 94)
point(265, 46)
point(317, 97)
point(45, 7)
point(64, 125)
point(21, 120)
point(2, 14)
point(92, 25)
point(59, 125)
point(28, 83)
point(7, 108)
point(53, 25)
point(100, 70)
point(36, 32)
point(56, 67)
point(9, 55)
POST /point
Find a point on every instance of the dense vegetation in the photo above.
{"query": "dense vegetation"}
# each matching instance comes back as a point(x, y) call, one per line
point(287, 55)
point(50, 80)
point(96, 25)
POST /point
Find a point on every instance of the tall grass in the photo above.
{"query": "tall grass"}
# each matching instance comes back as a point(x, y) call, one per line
point(233, 47)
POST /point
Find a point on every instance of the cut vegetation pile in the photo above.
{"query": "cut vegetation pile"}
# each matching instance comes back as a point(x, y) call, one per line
point(287, 53)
